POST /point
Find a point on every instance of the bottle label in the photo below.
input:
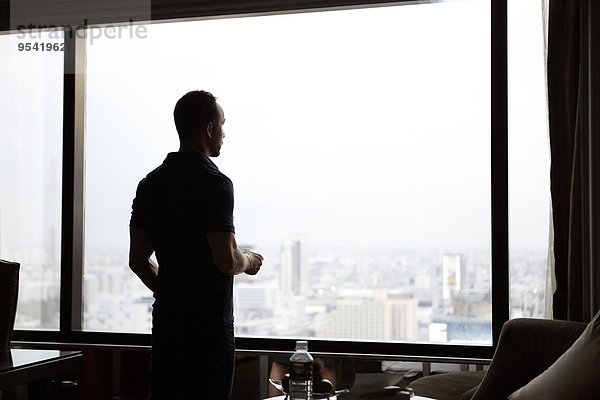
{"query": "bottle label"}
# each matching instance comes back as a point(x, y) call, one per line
point(301, 371)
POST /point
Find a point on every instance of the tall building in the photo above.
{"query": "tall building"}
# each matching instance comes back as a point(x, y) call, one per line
point(257, 298)
point(453, 277)
point(255, 306)
point(293, 277)
point(372, 314)
point(402, 318)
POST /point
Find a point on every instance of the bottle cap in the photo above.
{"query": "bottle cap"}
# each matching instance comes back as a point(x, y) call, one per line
point(301, 345)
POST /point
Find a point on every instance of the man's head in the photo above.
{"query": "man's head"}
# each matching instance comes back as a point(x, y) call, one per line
point(199, 121)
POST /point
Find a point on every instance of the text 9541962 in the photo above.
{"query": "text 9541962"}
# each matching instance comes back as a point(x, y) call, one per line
point(40, 46)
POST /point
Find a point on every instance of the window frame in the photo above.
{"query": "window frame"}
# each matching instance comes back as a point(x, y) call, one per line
point(72, 234)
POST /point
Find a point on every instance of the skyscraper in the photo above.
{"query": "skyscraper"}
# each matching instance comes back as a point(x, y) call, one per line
point(293, 277)
point(372, 314)
point(453, 275)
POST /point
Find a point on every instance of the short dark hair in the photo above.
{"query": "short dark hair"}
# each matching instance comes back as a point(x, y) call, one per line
point(194, 110)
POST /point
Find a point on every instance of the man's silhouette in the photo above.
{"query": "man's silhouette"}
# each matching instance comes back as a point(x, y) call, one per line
point(183, 212)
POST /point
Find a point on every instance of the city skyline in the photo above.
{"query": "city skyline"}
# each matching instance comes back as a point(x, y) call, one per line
point(342, 284)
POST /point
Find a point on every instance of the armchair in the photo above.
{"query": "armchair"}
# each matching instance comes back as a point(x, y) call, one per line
point(527, 347)
point(9, 289)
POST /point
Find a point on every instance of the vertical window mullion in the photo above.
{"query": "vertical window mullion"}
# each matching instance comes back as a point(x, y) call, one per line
point(72, 207)
point(499, 114)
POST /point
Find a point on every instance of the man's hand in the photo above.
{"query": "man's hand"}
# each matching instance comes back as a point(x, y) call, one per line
point(228, 258)
point(255, 262)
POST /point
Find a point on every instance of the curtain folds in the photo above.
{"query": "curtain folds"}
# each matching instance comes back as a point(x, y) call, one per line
point(550, 263)
point(571, 89)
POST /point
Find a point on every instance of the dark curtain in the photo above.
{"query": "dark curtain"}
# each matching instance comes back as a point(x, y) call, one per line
point(574, 154)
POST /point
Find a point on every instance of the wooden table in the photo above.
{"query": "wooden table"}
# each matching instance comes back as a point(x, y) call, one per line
point(22, 366)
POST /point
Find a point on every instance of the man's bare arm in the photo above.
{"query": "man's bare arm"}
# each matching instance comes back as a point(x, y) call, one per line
point(228, 258)
point(140, 250)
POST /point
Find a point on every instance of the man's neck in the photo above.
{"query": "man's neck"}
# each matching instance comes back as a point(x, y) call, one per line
point(194, 147)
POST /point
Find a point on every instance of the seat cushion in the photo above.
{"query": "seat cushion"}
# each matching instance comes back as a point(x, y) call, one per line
point(468, 395)
point(575, 375)
point(448, 386)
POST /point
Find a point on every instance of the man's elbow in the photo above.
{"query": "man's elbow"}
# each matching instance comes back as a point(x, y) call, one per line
point(135, 265)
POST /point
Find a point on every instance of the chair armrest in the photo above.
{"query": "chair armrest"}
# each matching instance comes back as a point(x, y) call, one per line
point(9, 289)
point(526, 348)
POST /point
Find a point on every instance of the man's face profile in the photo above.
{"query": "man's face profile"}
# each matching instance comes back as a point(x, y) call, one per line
point(216, 139)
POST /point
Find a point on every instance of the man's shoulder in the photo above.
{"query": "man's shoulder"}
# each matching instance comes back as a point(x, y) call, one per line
point(150, 177)
point(167, 176)
point(215, 175)
point(222, 179)
point(184, 168)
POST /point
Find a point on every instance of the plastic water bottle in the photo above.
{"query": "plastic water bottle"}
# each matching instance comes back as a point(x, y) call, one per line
point(301, 366)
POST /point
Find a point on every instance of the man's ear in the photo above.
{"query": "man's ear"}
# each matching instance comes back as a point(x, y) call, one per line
point(209, 129)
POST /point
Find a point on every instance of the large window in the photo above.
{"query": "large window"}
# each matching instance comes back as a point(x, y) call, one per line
point(366, 146)
point(31, 88)
point(358, 142)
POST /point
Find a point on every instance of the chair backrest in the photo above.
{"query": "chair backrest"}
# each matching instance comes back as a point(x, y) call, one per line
point(525, 349)
point(9, 290)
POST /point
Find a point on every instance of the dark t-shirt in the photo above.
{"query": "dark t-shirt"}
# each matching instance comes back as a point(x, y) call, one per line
point(178, 204)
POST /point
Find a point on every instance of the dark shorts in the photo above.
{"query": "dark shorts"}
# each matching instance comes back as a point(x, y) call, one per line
point(197, 364)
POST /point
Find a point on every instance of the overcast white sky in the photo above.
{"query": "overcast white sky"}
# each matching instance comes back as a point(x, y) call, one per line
point(364, 127)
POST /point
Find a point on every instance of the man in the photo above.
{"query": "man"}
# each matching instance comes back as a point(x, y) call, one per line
point(183, 212)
